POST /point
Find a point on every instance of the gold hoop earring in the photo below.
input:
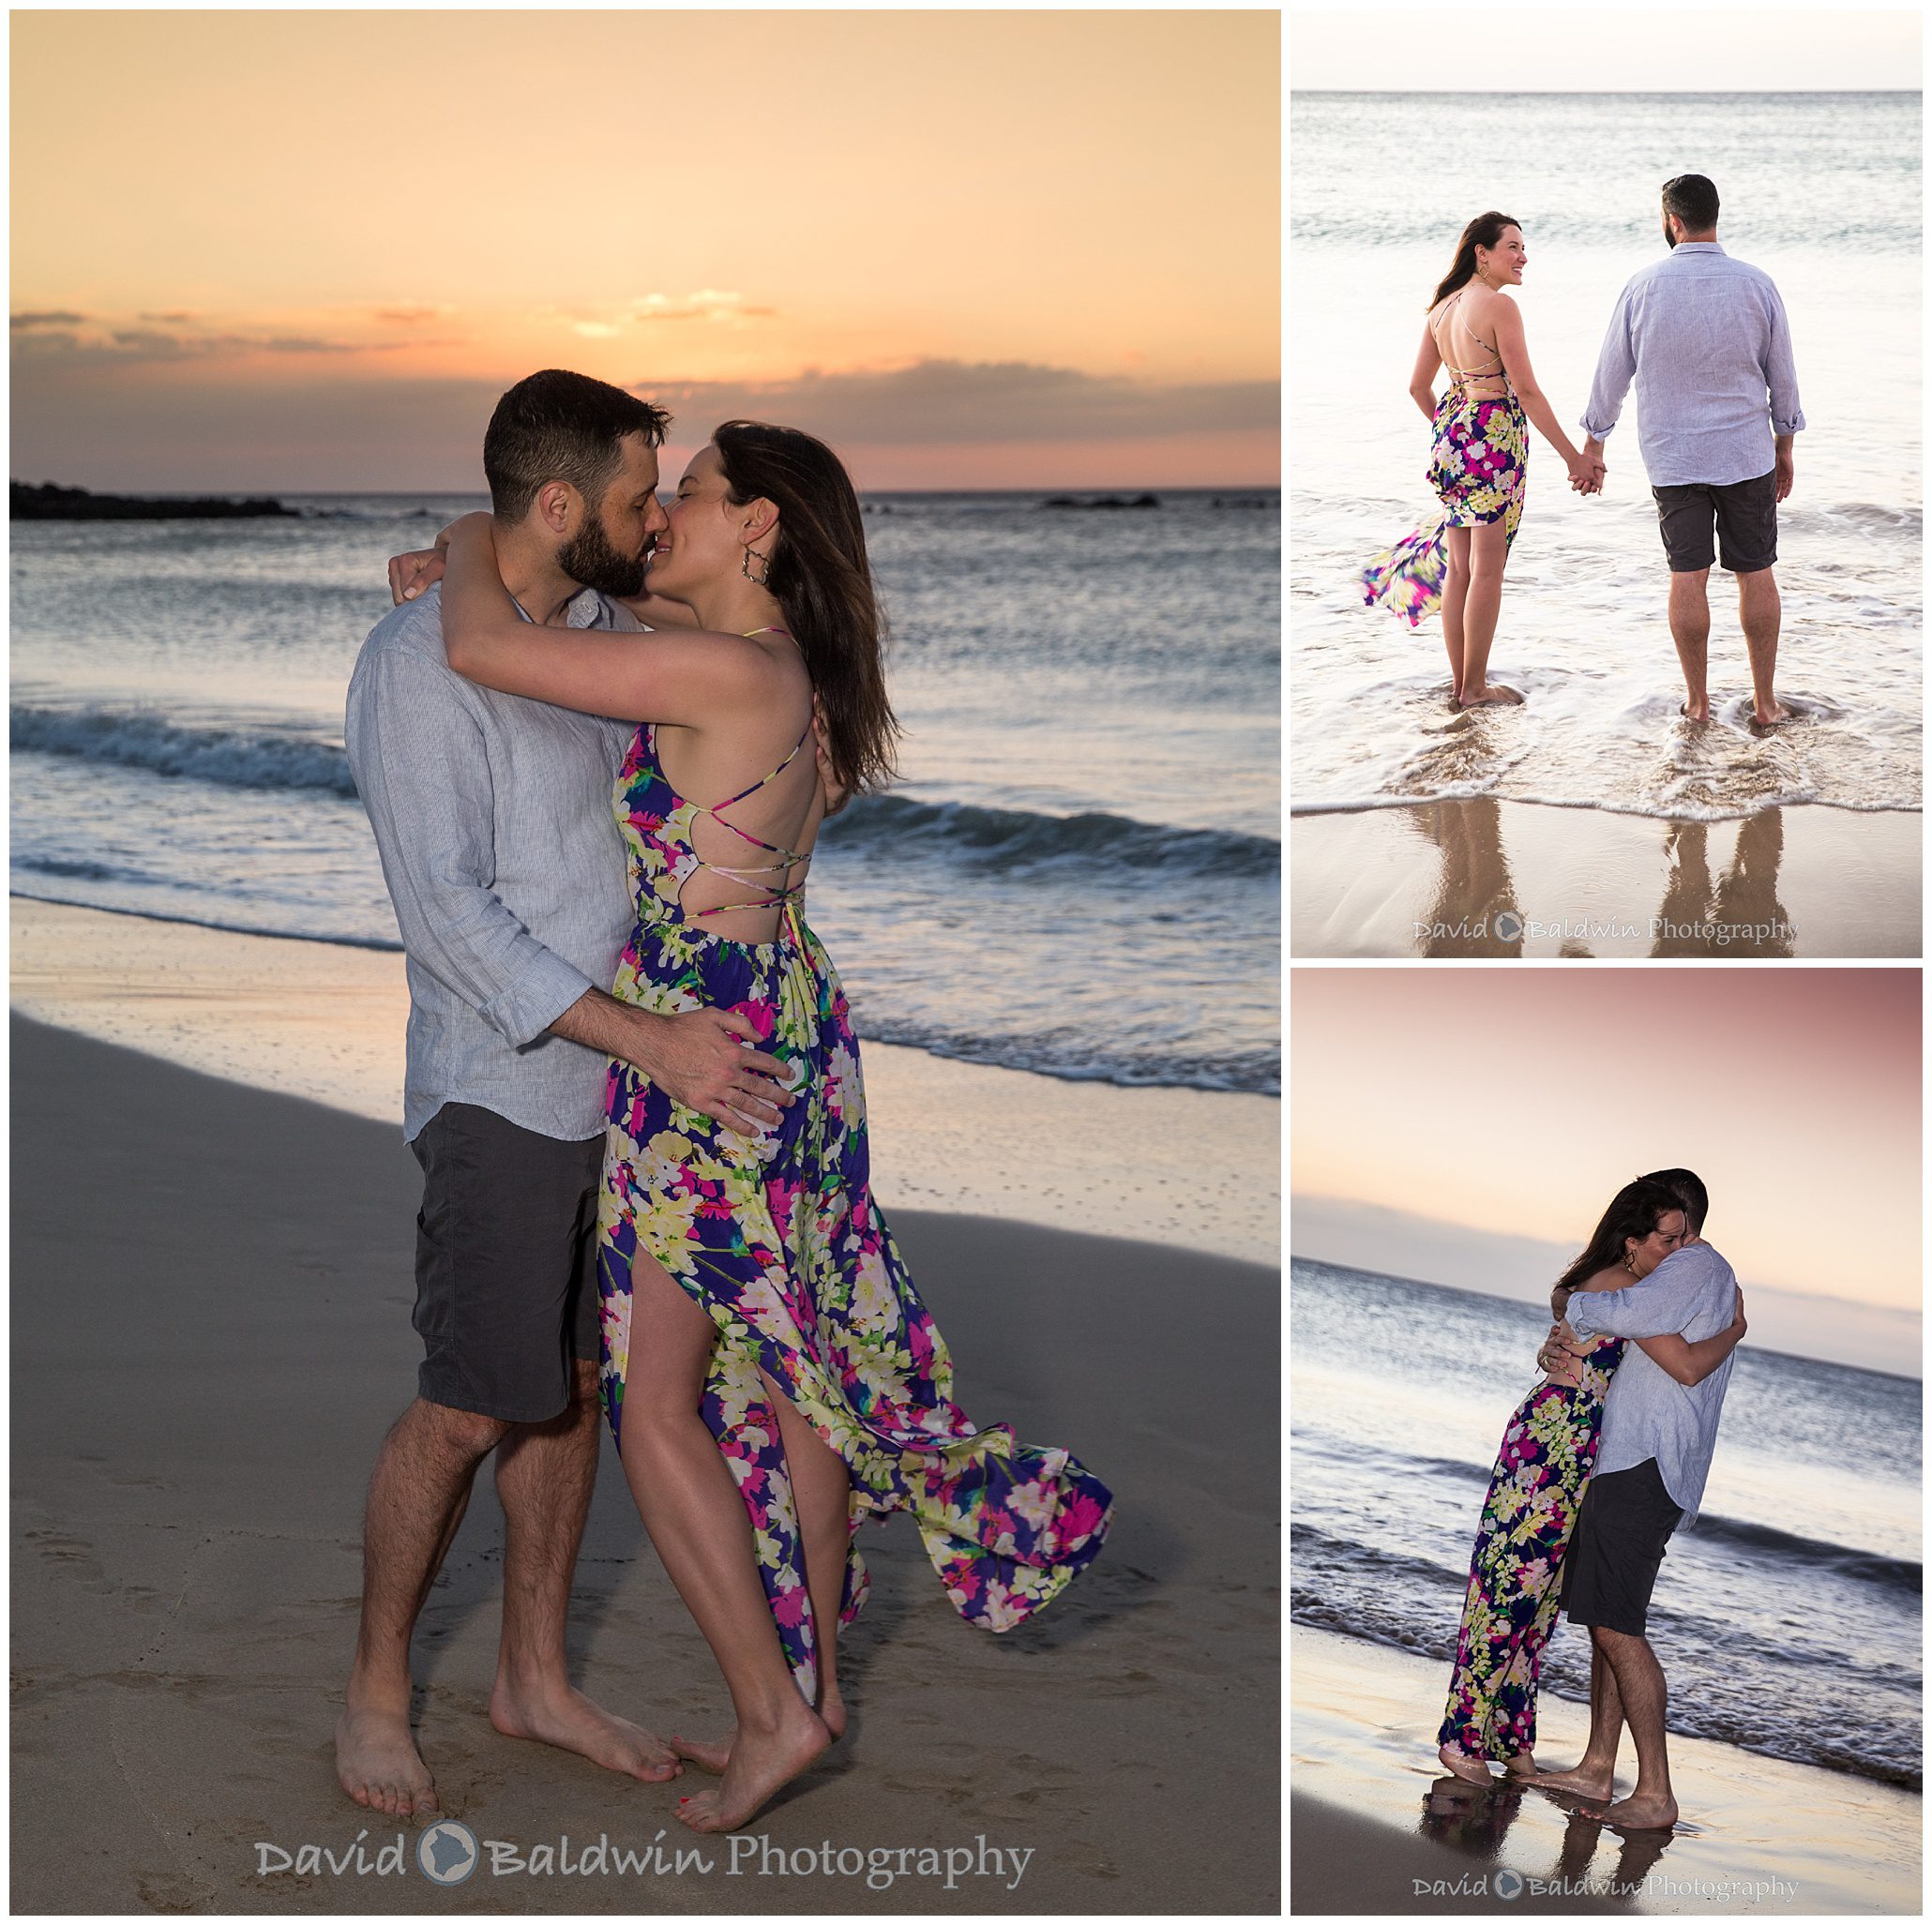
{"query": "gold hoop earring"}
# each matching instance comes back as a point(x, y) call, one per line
point(757, 581)
point(1630, 1261)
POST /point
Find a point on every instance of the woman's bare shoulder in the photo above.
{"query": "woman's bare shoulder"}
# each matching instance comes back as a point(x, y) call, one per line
point(1613, 1277)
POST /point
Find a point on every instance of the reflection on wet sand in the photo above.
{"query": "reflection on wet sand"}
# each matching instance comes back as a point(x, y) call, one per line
point(1475, 1819)
point(1475, 909)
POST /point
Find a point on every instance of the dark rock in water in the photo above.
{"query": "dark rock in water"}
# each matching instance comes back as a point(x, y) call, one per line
point(1101, 501)
point(49, 502)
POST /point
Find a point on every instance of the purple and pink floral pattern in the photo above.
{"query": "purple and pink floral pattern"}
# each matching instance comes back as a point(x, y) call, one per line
point(779, 1239)
point(1510, 1606)
point(1478, 466)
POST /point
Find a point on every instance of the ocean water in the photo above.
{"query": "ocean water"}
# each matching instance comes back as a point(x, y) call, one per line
point(1823, 191)
point(1788, 1618)
point(1077, 875)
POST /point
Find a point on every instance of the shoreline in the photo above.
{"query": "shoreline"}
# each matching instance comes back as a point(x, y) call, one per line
point(211, 1334)
point(1373, 1814)
point(1483, 877)
point(1198, 1170)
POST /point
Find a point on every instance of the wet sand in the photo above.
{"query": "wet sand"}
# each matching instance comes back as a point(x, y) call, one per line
point(1482, 877)
point(211, 1295)
point(1377, 1827)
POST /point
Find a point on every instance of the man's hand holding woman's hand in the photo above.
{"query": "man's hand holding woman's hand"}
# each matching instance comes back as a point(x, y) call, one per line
point(1562, 1364)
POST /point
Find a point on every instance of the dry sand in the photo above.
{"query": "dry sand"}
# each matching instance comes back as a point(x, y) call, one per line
point(1373, 1814)
point(211, 1294)
point(1187, 1166)
point(1433, 878)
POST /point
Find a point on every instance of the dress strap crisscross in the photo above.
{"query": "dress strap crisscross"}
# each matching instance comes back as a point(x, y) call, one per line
point(754, 876)
point(1459, 375)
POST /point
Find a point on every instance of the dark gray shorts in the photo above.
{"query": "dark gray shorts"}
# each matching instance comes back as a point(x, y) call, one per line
point(1622, 1525)
point(505, 1264)
point(1744, 513)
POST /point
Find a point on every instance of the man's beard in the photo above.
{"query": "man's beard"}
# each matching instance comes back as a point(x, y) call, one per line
point(1670, 238)
point(588, 557)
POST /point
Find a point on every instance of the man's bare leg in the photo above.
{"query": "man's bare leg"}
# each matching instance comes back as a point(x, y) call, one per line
point(1690, 629)
point(545, 1473)
point(418, 1494)
point(1488, 554)
point(1594, 1776)
point(1762, 613)
point(1640, 1677)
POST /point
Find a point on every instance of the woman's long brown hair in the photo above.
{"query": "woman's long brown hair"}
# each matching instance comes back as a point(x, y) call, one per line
point(818, 573)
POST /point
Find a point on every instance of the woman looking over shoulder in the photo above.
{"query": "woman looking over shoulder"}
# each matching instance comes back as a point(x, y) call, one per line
point(1478, 456)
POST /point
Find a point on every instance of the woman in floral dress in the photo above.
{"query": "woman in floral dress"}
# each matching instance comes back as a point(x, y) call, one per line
point(771, 1377)
point(1478, 458)
point(1510, 1606)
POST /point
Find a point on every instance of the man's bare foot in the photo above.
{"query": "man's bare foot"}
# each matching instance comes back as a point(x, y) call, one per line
point(559, 1715)
point(1492, 694)
point(1699, 712)
point(1580, 1783)
point(1634, 1814)
point(378, 1765)
point(1779, 712)
point(760, 1764)
point(714, 1754)
point(1473, 1769)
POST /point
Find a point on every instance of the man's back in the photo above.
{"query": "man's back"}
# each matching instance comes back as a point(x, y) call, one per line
point(1707, 341)
point(1648, 1413)
point(494, 819)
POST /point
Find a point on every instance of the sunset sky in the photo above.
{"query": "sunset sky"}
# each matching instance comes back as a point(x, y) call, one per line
point(307, 250)
point(1468, 1126)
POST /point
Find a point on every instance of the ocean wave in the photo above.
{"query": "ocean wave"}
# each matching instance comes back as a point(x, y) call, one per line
point(1013, 839)
point(233, 757)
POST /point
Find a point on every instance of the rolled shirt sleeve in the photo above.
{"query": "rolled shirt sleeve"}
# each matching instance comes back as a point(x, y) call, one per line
point(1616, 369)
point(1658, 1305)
point(420, 764)
point(1781, 371)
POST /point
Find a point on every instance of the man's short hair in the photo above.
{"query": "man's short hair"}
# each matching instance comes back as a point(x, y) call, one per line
point(1694, 200)
point(557, 425)
point(1688, 1188)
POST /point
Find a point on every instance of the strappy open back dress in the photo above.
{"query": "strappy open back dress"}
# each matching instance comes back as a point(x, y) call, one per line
point(778, 1238)
point(1479, 453)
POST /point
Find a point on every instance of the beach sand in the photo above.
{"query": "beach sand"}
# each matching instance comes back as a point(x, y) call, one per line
point(1431, 878)
point(1193, 1167)
point(1372, 1813)
point(211, 1295)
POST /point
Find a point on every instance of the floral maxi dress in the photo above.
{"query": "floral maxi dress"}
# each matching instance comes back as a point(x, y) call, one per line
point(779, 1239)
point(1510, 1606)
point(1479, 453)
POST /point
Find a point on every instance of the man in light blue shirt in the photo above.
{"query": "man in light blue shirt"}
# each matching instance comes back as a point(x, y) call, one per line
point(494, 819)
point(1653, 1454)
point(1705, 339)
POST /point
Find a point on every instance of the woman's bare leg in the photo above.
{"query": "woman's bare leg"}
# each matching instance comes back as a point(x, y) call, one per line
point(1455, 595)
point(821, 1491)
point(1488, 552)
point(698, 1522)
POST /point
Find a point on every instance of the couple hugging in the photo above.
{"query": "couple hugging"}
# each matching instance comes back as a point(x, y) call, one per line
point(634, 1091)
point(1705, 339)
point(1626, 1421)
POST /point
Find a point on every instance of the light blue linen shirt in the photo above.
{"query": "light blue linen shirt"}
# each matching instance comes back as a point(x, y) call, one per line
point(1706, 340)
point(493, 816)
point(1648, 1413)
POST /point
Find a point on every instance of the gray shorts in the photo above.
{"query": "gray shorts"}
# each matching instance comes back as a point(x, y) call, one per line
point(1616, 1548)
point(1743, 513)
point(505, 1264)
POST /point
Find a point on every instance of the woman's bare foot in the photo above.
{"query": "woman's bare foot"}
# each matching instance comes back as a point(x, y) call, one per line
point(1492, 694)
point(1473, 1769)
point(378, 1765)
point(1581, 1783)
point(714, 1754)
point(557, 1714)
point(1653, 1813)
point(760, 1764)
point(1523, 1766)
